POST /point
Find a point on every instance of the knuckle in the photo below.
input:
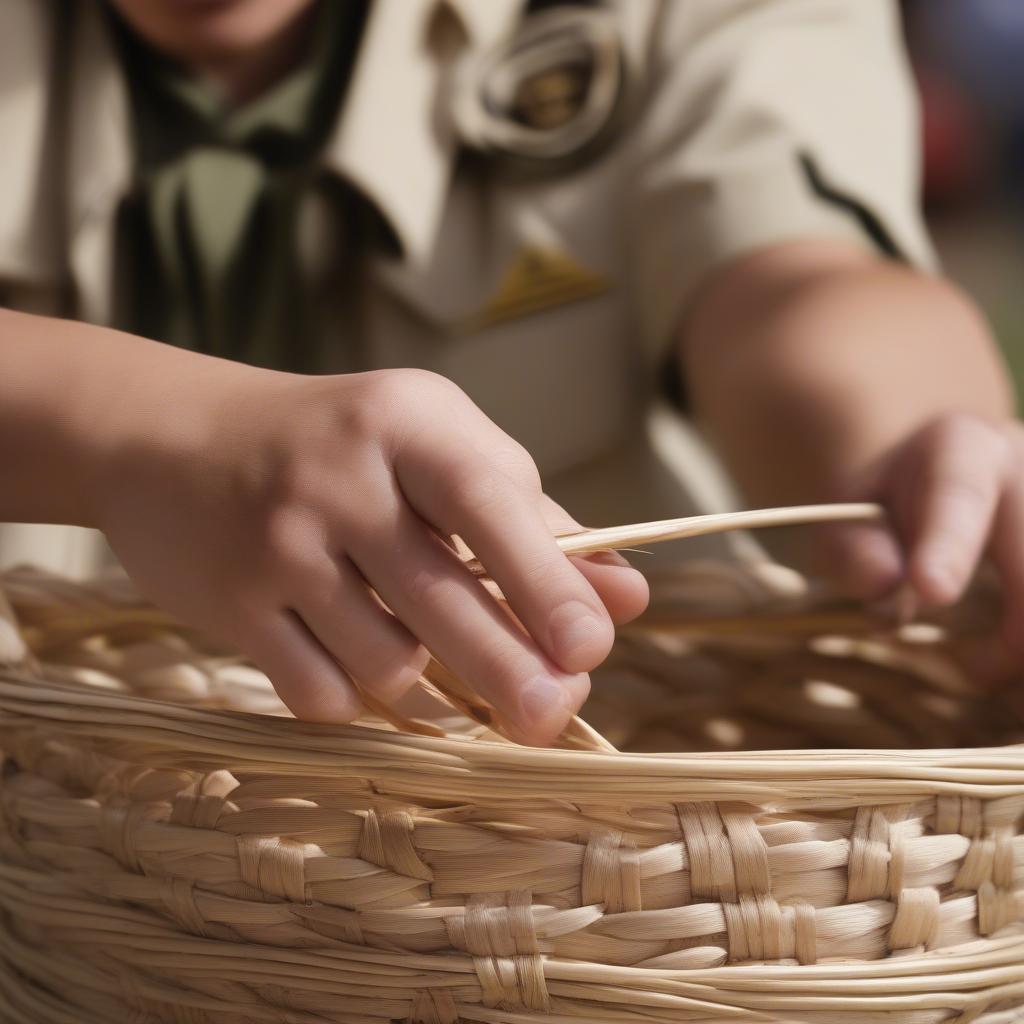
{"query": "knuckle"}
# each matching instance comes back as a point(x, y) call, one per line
point(1005, 450)
point(416, 385)
point(470, 487)
point(514, 461)
point(363, 422)
point(398, 408)
point(967, 458)
point(295, 476)
point(960, 490)
point(956, 431)
point(1014, 433)
point(292, 509)
point(954, 423)
point(550, 578)
point(380, 399)
point(431, 587)
point(415, 376)
point(500, 664)
point(489, 483)
point(289, 546)
point(285, 487)
point(285, 535)
point(366, 415)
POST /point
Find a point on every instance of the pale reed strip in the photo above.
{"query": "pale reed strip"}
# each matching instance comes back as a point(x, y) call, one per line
point(45, 894)
point(170, 859)
point(427, 768)
point(610, 538)
point(973, 978)
point(266, 806)
point(468, 858)
point(578, 735)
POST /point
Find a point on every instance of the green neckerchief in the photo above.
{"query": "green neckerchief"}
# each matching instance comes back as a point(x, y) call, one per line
point(210, 248)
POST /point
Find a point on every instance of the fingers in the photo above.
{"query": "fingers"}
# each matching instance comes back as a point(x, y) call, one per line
point(621, 588)
point(863, 558)
point(500, 519)
point(954, 490)
point(1007, 549)
point(372, 646)
point(995, 656)
point(948, 516)
point(304, 675)
point(433, 593)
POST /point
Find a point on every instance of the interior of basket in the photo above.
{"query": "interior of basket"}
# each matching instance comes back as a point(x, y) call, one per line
point(727, 659)
point(763, 661)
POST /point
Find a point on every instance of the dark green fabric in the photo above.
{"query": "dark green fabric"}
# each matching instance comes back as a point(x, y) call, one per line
point(209, 254)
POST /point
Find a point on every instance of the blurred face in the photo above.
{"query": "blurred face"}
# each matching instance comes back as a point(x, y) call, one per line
point(211, 32)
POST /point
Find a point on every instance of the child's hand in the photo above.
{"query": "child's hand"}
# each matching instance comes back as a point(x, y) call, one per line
point(954, 491)
point(263, 507)
point(825, 373)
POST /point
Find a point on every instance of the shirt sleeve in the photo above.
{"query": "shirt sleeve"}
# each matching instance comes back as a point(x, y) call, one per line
point(766, 121)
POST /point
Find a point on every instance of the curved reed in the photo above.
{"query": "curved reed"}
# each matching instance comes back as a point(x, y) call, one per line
point(837, 841)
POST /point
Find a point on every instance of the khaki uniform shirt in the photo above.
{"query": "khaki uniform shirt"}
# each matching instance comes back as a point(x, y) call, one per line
point(550, 288)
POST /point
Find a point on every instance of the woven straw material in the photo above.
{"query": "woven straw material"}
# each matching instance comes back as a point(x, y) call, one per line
point(209, 859)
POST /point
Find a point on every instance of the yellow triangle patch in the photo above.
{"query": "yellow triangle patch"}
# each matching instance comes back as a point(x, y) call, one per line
point(538, 279)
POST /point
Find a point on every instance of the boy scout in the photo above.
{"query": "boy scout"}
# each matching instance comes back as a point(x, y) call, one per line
point(414, 257)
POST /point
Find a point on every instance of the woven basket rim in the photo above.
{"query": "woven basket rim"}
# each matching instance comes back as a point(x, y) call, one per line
point(420, 767)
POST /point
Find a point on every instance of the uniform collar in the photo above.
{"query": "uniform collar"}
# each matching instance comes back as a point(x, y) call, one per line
point(30, 226)
point(98, 161)
point(60, 190)
point(485, 21)
point(394, 141)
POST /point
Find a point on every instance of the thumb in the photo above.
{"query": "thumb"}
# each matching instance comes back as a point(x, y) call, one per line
point(863, 560)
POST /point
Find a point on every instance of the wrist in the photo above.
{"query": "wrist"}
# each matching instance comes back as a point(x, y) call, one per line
point(160, 416)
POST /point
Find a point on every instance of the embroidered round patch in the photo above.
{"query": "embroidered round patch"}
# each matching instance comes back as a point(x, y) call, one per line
point(549, 96)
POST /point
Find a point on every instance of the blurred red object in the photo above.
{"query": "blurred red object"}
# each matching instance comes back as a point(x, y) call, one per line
point(956, 157)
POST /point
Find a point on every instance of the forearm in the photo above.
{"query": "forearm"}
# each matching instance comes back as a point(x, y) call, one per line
point(70, 394)
point(807, 363)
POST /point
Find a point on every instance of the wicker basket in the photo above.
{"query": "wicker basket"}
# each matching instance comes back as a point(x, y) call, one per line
point(208, 859)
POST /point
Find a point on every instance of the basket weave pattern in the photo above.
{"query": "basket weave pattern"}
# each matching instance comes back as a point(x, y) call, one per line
point(194, 862)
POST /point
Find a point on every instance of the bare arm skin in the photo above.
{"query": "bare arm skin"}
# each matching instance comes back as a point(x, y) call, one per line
point(824, 373)
point(263, 507)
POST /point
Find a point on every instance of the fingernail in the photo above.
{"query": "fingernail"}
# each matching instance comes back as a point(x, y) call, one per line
point(574, 625)
point(609, 558)
point(418, 665)
point(543, 699)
